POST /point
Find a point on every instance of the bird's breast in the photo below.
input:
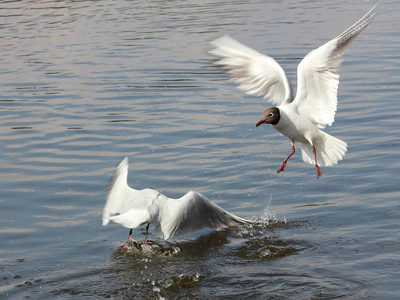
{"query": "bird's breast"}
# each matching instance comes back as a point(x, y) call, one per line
point(293, 126)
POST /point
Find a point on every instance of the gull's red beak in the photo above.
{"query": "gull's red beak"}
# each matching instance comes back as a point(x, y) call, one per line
point(260, 122)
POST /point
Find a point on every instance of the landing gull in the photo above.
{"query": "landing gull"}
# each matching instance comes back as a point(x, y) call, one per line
point(171, 217)
point(300, 117)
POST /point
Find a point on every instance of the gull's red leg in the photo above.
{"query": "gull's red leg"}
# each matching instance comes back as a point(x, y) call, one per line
point(316, 164)
point(283, 166)
point(125, 246)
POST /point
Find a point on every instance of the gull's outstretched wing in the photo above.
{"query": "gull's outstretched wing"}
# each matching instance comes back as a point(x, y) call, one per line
point(256, 74)
point(125, 205)
point(193, 212)
point(318, 75)
point(118, 192)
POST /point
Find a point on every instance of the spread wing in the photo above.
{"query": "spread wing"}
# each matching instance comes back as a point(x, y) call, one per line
point(118, 192)
point(125, 205)
point(191, 213)
point(256, 74)
point(318, 75)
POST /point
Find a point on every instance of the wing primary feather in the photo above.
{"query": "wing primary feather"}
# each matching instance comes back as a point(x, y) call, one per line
point(117, 191)
point(256, 74)
point(318, 75)
point(345, 37)
point(122, 165)
point(194, 212)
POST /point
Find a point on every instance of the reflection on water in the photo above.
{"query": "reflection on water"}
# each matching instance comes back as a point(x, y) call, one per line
point(86, 83)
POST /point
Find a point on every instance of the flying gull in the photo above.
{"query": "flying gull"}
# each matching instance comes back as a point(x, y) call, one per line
point(300, 117)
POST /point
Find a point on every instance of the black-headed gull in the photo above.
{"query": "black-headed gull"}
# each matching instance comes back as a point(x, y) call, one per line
point(171, 217)
point(299, 117)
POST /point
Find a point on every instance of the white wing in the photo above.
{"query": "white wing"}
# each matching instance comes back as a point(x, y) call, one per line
point(256, 74)
point(193, 212)
point(318, 76)
point(118, 192)
point(125, 205)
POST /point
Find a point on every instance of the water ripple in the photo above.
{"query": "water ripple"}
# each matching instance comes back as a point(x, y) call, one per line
point(86, 83)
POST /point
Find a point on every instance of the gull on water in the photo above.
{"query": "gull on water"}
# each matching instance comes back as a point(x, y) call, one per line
point(300, 117)
point(171, 217)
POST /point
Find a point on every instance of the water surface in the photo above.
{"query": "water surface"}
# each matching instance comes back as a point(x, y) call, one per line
point(85, 83)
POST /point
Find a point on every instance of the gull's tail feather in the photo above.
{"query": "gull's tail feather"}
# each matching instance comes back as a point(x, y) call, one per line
point(330, 150)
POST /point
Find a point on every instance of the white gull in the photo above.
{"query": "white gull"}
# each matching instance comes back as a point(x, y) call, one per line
point(300, 117)
point(171, 217)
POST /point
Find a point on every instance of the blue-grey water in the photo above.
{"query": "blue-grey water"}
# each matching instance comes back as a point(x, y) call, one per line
point(84, 83)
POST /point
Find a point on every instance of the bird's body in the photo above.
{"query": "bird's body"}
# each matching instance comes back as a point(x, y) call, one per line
point(171, 217)
point(299, 117)
point(295, 127)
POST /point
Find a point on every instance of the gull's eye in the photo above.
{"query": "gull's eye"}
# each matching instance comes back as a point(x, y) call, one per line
point(270, 114)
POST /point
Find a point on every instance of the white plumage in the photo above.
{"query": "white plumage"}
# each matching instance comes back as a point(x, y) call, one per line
point(302, 117)
point(171, 217)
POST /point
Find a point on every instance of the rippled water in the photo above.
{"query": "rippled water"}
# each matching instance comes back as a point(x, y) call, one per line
point(84, 83)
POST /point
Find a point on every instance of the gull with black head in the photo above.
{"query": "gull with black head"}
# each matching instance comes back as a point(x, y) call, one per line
point(300, 117)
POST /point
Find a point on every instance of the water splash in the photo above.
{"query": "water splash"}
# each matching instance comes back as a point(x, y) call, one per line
point(180, 281)
point(269, 216)
point(150, 249)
